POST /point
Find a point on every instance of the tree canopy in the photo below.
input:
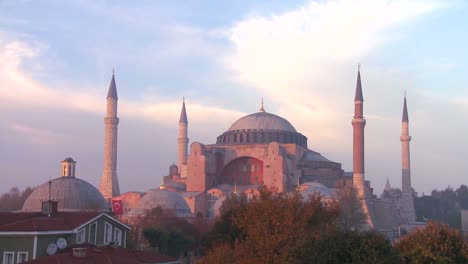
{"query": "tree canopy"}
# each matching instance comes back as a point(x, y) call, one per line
point(434, 244)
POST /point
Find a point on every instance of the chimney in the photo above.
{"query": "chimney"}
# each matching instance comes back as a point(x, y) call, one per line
point(79, 252)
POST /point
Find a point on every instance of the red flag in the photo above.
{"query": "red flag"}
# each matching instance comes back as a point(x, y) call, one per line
point(117, 207)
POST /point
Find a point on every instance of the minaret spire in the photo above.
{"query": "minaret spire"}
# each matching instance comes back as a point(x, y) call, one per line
point(387, 186)
point(405, 111)
point(262, 109)
point(408, 211)
point(358, 123)
point(109, 186)
point(183, 140)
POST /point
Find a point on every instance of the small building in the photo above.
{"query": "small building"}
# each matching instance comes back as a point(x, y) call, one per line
point(104, 255)
point(28, 235)
point(464, 221)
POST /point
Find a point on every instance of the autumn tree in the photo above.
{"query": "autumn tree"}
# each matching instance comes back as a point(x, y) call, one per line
point(271, 225)
point(434, 244)
point(224, 229)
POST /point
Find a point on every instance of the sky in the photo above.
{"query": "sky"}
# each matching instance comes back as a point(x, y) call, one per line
point(57, 58)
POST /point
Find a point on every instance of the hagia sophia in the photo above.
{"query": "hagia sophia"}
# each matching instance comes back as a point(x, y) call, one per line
point(259, 149)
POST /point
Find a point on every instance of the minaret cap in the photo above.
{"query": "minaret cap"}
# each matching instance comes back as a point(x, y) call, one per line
point(183, 113)
point(358, 96)
point(405, 112)
point(112, 88)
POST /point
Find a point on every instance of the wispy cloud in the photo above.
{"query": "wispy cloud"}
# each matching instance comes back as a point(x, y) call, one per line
point(17, 87)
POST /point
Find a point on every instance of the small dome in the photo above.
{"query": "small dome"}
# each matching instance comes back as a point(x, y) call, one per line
point(69, 159)
point(262, 121)
point(72, 194)
point(309, 188)
point(164, 199)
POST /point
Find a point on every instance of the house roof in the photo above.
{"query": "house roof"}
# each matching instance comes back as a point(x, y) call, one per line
point(36, 222)
point(104, 255)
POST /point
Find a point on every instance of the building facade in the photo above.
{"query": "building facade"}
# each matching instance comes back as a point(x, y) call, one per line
point(26, 236)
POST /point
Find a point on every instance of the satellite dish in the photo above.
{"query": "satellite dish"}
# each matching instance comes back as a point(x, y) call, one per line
point(61, 243)
point(51, 249)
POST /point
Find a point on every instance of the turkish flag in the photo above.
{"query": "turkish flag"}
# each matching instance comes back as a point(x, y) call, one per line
point(117, 207)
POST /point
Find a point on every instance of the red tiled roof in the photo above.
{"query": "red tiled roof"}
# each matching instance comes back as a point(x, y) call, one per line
point(104, 255)
point(30, 222)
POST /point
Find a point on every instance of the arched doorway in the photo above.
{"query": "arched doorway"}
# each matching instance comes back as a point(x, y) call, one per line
point(242, 171)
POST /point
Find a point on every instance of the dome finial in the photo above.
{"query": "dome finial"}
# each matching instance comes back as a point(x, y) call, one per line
point(298, 187)
point(262, 109)
point(162, 186)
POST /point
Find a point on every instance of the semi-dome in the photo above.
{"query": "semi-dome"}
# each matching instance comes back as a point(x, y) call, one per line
point(262, 121)
point(164, 199)
point(72, 194)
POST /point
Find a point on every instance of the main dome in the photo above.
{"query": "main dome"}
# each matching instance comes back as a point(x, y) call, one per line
point(262, 121)
point(72, 194)
point(262, 128)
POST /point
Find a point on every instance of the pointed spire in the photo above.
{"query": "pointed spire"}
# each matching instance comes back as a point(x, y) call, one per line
point(183, 113)
point(112, 88)
point(50, 188)
point(387, 185)
point(358, 96)
point(405, 111)
point(235, 187)
point(262, 109)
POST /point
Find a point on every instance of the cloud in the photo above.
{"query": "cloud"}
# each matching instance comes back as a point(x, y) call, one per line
point(18, 87)
point(305, 61)
point(39, 136)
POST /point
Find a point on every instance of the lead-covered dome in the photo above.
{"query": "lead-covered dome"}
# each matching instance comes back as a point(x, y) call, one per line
point(262, 121)
point(72, 194)
point(161, 198)
point(262, 128)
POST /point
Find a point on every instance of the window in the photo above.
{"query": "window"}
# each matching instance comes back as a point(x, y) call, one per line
point(22, 257)
point(107, 233)
point(92, 233)
point(80, 236)
point(118, 236)
point(8, 257)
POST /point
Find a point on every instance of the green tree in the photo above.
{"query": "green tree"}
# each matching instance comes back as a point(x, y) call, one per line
point(434, 244)
point(348, 247)
point(351, 216)
point(14, 199)
point(442, 206)
point(462, 196)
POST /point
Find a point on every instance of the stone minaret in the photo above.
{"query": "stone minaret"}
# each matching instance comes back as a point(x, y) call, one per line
point(182, 140)
point(358, 123)
point(407, 212)
point(109, 186)
point(358, 140)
